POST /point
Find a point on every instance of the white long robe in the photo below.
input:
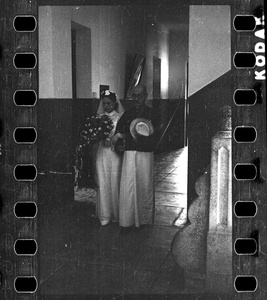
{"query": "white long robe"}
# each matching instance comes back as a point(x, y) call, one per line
point(136, 189)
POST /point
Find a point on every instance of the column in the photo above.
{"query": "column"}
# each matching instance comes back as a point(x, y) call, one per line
point(219, 238)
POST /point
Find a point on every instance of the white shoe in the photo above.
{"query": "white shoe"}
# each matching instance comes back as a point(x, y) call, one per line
point(104, 222)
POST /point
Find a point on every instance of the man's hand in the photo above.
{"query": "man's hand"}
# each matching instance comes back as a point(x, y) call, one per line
point(120, 148)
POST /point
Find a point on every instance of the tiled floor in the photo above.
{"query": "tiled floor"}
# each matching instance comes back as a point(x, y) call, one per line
point(78, 256)
point(171, 188)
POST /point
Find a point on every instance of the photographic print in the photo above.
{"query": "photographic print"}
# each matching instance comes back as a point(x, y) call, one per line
point(134, 153)
point(101, 243)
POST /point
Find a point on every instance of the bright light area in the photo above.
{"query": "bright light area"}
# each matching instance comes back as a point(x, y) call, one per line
point(164, 75)
point(164, 56)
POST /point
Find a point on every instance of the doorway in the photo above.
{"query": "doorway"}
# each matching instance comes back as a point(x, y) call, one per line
point(81, 61)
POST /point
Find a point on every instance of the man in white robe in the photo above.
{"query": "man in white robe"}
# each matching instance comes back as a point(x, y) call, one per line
point(136, 204)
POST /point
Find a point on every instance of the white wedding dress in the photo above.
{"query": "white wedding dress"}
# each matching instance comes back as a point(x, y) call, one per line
point(108, 168)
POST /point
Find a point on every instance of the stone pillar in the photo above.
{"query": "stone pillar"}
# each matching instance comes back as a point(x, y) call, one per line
point(203, 248)
point(219, 239)
point(189, 246)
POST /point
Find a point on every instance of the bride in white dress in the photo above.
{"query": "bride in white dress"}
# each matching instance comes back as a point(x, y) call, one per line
point(108, 163)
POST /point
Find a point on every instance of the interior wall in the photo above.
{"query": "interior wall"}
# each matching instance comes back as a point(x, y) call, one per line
point(45, 63)
point(164, 56)
point(83, 62)
point(157, 46)
point(175, 18)
point(178, 49)
point(115, 30)
point(113, 33)
point(152, 49)
point(210, 84)
point(203, 123)
point(209, 44)
point(61, 51)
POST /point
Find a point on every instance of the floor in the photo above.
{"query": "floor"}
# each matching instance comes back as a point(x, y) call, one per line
point(80, 257)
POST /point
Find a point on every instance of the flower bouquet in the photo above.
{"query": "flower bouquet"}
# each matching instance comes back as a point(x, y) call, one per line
point(95, 129)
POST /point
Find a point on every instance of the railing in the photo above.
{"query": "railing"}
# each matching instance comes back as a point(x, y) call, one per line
point(203, 248)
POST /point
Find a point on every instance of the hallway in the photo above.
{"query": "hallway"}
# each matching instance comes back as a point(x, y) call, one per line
point(78, 256)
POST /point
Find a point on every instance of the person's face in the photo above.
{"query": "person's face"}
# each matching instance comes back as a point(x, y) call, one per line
point(108, 105)
point(139, 97)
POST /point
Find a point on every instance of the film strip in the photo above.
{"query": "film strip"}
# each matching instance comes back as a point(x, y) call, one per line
point(20, 264)
point(18, 271)
point(25, 172)
point(248, 95)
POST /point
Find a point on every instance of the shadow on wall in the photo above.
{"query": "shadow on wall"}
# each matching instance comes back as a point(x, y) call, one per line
point(203, 123)
point(1, 52)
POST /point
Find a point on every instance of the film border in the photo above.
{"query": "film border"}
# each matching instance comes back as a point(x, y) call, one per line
point(27, 191)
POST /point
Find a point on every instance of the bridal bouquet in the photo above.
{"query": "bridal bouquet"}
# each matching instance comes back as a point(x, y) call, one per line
point(96, 128)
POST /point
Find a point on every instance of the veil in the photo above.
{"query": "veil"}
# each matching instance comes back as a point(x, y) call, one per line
point(120, 109)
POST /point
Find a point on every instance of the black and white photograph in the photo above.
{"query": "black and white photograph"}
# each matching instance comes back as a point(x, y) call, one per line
point(134, 150)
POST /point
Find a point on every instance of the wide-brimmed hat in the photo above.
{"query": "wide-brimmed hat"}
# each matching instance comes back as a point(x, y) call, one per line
point(142, 127)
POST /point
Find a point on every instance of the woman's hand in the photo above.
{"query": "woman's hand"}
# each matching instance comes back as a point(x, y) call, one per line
point(107, 143)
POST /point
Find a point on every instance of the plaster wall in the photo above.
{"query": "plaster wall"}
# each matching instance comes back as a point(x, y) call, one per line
point(209, 44)
point(46, 83)
point(114, 32)
point(107, 50)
